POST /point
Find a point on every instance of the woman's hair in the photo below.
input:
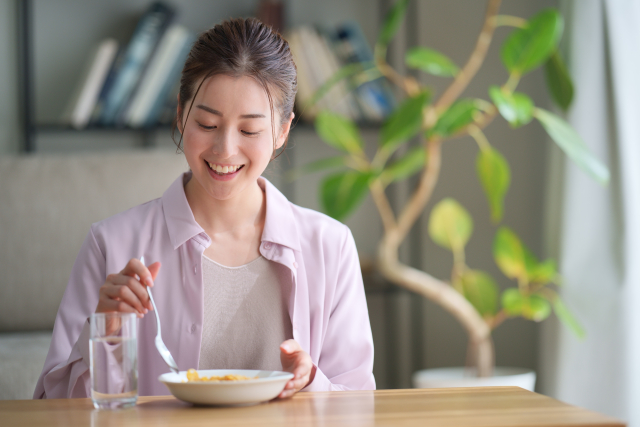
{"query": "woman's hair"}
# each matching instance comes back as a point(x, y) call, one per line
point(236, 48)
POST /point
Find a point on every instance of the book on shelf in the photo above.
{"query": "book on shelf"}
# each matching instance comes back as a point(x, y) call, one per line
point(159, 78)
point(85, 96)
point(137, 54)
point(319, 53)
point(376, 97)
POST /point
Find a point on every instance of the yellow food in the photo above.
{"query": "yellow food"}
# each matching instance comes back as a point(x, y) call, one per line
point(192, 375)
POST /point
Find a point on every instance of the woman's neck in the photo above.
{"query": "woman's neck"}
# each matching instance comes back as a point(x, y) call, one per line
point(234, 217)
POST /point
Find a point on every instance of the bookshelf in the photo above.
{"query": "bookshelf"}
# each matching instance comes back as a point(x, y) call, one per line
point(55, 36)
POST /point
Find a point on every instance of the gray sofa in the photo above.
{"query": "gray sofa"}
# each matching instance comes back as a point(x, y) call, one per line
point(47, 203)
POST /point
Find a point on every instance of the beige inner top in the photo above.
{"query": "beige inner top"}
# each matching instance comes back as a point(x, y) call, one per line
point(246, 315)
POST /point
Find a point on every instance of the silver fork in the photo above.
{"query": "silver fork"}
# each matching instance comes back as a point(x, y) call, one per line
point(162, 349)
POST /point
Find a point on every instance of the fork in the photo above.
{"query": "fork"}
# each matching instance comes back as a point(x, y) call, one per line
point(162, 349)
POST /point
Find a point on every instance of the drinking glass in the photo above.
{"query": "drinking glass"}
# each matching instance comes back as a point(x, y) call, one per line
point(114, 360)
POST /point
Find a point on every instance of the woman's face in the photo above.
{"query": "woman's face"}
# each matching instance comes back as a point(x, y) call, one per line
point(227, 139)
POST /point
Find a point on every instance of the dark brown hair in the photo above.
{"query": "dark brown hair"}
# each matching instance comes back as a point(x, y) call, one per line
point(236, 48)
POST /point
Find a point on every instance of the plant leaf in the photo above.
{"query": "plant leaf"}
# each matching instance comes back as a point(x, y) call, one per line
point(567, 318)
point(516, 108)
point(404, 123)
point(339, 132)
point(341, 193)
point(559, 81)
point(495, 176)
point(406, 166)
point(481, 291)
point(318, 165)
point(530, 46)
point(543, 272)
point(450, 225)
point(509, 254)
point(460, 114)
point(512, 302)
point(430, 61)
point(536, 308)
point(573, 146)
point(392, 22)
point(532, 307)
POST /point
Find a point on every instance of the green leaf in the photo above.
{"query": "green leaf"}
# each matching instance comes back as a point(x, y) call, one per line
point(404, 123)
point(509, 253)
point(450, 225)
point(318, 165)
point(536, 308)
point(348, 71)
point(339, 132)
point(516, 108)
point(406, 166)
point(495, 176)
point(573, 146)
point(532, 307)
point(431, 61)
point(559, 81)
point(481, 291)
point(459, 115)
point(543, 272)
point(567, 318)
point(392, 22)
point(343, 192)
point(512, 302)
point(530, 46)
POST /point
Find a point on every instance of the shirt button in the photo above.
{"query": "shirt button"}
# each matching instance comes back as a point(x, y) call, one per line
point(267, 245)
point(193, 328)
point(295, 264)
point(195, 269)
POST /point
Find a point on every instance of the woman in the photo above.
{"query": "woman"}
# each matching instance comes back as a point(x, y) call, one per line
point(242, 278)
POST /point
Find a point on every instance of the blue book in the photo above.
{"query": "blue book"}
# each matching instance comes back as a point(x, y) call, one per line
point(136, 56)
point(352, 47)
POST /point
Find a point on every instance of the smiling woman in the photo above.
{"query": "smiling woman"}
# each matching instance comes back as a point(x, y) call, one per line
point(248, 280)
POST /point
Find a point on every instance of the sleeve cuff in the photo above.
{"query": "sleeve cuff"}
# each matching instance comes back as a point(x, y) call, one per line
point(320, 382)
point(80, 349)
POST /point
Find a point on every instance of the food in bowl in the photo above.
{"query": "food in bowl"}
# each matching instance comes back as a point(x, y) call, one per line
point(192, 375)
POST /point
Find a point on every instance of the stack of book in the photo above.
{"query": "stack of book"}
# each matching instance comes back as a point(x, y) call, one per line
point(134, 86)
point(318, 54)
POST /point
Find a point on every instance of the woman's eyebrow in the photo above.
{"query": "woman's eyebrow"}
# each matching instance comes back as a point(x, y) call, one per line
point(219, 113)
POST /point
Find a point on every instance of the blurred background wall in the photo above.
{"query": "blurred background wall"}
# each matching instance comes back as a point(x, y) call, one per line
point(409, 332)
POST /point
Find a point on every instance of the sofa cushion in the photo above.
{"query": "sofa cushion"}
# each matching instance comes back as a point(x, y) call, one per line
point(21, 360)
point(48, 204)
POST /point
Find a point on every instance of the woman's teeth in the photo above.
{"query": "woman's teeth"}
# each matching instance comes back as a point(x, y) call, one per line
point(224, 169)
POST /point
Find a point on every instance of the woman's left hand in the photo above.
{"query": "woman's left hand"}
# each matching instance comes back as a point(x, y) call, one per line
point(295, 360)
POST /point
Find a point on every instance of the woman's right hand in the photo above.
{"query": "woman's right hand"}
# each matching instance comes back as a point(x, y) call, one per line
point(126, 291)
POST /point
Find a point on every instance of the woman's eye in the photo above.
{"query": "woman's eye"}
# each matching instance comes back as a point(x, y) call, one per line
point(206, 127)
point(249, 133)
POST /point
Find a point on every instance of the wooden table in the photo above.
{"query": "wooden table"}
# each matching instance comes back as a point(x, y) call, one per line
point(487, 406)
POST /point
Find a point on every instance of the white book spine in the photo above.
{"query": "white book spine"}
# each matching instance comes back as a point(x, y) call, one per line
point(91, 85)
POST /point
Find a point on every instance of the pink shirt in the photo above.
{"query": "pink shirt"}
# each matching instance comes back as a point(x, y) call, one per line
point(327, 303)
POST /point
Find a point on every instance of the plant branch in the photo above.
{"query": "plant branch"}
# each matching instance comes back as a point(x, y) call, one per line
point(476, 59)
point(480, 137)
point(383, 205)
point(408, 84)
point(509, 21)
point(422, 193)
point(441, 293)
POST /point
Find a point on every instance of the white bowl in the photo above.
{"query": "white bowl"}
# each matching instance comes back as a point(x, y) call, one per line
point(268, 385)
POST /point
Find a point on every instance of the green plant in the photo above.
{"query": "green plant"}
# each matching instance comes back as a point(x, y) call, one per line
point(472, 296)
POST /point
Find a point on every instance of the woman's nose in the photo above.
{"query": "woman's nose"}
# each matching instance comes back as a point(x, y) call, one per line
point(225, 145)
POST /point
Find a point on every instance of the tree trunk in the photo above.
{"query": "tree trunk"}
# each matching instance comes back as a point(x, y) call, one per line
point(481, 351)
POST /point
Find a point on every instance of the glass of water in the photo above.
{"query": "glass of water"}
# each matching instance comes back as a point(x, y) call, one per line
point(114, 360)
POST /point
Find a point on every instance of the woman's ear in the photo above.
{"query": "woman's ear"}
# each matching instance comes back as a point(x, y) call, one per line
point(284, 131)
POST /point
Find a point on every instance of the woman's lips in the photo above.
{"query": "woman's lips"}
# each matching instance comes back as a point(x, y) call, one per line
point(223, 176)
